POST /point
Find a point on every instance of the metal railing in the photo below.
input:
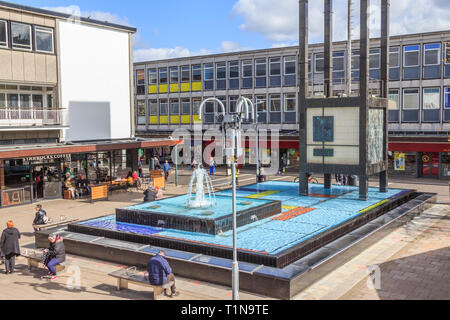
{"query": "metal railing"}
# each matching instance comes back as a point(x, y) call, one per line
point(13, 117)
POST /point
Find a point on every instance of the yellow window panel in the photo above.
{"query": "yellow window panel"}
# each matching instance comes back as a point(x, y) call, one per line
point(185, 87)
point(185, 119)
point(174, 88)
point(153, 119)
point(174, 119)
point(164, 119)
point(196, 119)
point(196, 86)
point(152, 89)
point(163, 88)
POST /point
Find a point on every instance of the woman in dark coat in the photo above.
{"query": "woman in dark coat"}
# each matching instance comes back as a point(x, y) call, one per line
point(56, 254)
point(10, 246)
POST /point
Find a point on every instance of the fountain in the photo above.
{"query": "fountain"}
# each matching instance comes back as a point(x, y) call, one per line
point(200, 177)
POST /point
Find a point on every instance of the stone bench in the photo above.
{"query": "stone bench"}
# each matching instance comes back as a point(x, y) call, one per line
point(131, 275)
point(53, 224)
point(34, 260)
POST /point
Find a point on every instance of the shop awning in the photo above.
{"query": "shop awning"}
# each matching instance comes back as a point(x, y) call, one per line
point(83, 147)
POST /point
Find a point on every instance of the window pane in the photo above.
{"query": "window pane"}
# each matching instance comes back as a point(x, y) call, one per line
point(431, 98)
point(141, 108)
point(411, 59)
point(234, 69)
point(13, 100)
point(140, 76)
point(233, 101)
point(447, 98)
point(411, 99)
point(49, 101)
point(3, 33)
point(21, 35)
point(197, 73)
point(394, 60)
point(185, 74)
point(174, 106)
point(275, 103)
point(338, 64)
point(153, 106)
point(163, 75)
point(319, 63)
point(275, 66)
point(2, 100)
point(260, 65)
point(374, 58)
point(290, 102)
point(209, 72)
point(44, 39)
point(432, 57)
point(174, 74)
point(394, 101)
point(37, 101)
point(221, 70)
point(247, 70)
point(153, 76)
point(163, 107)
point(186, 106)
point(289, 65)
point(261, 103)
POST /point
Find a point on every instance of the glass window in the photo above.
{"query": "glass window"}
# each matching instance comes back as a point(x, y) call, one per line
point(338, 61)
point(394, 99)
point(163, 75)
point(261, 103)
point(44, 39)
point(141, 108)
point(3, 34)
point(411, 99)
point(394, 57)
point(50, 101)
point(174, 74)
point(447, 53)
point(431, 98)
point(247, 69)
point(275, 66)
point(232, 105)
point(163, 107)
point(2, 100)
point(375, 59)
point(289, 65)
point(153, 76)
point(209, 71)
point(355, 60)
point(197, 72)
point(447, 98)
point(290, 102)
point(318, 62)
point(38, 101)
point(13, 100)
point(432, 54)
point(411, 56)
point(275, 103)
point(140, 77)
point(260, 67)
point(196, 102)
point(25, 101)
point(174, 106)
point(21, 35)
point(186, 106)
point(153, 107)
point(234, 69)
point(221, 70)
point(185, 74)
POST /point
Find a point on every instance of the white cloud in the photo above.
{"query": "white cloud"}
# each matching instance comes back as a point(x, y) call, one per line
point(230, 46)
point(151, 54)
point(96, 15)
point(277, 20)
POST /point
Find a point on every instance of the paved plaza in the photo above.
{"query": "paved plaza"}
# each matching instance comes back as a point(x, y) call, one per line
point(412, 262)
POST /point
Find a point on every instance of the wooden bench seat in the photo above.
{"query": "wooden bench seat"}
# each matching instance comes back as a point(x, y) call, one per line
point(54, 224)
point(34, 260)
point(125, 276)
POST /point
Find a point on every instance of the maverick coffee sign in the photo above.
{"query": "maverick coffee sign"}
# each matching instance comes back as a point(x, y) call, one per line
point(48, 157)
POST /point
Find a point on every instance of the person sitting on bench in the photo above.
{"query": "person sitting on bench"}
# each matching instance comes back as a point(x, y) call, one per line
point(160, 273)
point(54, 255)
point(40, 218)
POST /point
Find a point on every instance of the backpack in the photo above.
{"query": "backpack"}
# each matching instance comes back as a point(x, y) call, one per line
point(45, 219)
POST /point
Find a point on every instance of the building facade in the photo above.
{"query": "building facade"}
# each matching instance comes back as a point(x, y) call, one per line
point(169, 92)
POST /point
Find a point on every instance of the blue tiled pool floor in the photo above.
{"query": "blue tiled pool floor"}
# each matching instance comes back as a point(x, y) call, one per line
point(301, 218)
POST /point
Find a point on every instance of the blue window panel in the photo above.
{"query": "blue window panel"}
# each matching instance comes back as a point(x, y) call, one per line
point(394, 74)
point(260, 82)
point(290, 81)
point(432, 72)
point(234, 84)
point(221, 85)
point(355, 76)
point(323, 129)
point(275, 81)
point(431, 115)
point(275, 117)
point(447, 71)
point(247, 83)
point(374, 74)
point(394, 116)
point(262, 117)
point(411, 48)
point(410, 115)
point(208, 118)
point(411, 73)
point(290, 117)
point(432, 46)
point(209, 85)
point(447, 115)
point(447, 98)
point(338, 77)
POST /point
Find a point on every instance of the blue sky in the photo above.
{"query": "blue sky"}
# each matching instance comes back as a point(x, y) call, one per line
point(174, 28)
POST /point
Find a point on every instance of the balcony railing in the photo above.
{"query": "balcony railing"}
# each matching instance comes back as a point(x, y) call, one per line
point(11, 117)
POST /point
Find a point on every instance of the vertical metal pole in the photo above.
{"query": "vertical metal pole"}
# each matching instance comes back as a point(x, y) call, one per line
point(235, 268)
point(328, 65)
point(364, 96)
point(349, 51)
point(385, 17)
point(303, 93)
point(176, 165)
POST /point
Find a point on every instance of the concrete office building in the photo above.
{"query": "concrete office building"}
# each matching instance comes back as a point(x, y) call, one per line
point(169, 92)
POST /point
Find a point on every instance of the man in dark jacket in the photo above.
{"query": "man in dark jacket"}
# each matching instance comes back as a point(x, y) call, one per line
point(56, 254)
point(160, 273)
point(10, 246)
point(40, 216)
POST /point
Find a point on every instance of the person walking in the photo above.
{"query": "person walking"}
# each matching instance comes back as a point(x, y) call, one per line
point(157, 163)
point(54, 255)
point(160, 273)
point(166, 168)
point(10, 246)
point(212, 166)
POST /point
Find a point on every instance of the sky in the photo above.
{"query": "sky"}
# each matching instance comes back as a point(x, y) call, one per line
point(180, 28)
